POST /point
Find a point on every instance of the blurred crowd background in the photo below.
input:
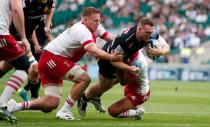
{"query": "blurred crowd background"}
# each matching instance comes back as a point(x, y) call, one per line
point(185, 24)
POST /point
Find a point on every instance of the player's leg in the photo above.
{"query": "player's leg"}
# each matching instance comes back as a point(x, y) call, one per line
point(51, 74)
point(46, 104)
point(106, 79)
point(93, 92)
point(129, 106)
point(96, 101)
point(98, 88)
point(123, 108)
point(34, 82)
point(35, 86)
point(4, 68)
point(17, 78)
point(14, 55)
point(12, 85)
point(81, 81)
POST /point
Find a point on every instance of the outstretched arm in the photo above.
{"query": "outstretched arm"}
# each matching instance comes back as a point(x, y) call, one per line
point(93, 50)
point(123, 66)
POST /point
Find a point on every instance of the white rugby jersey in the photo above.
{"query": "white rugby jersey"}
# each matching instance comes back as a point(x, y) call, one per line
point(72, 42)
point(142, 87)
point(5, 16)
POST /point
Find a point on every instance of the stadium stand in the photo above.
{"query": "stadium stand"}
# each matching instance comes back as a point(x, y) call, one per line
point(185, 24)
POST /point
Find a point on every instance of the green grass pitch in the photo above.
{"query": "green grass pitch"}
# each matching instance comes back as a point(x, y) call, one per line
point(172, 104)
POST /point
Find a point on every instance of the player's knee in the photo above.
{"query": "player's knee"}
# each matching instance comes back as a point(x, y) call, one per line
point(85, 78)
point(105, 86)
point(77, 74)
point(51, 103)
point(112, 112)
point(4, 68)
point(34, 68)
point(18, 63)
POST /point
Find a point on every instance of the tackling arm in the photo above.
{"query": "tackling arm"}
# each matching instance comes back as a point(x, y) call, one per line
point(93, 50)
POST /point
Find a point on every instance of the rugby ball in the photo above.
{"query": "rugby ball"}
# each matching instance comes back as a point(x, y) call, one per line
point(153, 43)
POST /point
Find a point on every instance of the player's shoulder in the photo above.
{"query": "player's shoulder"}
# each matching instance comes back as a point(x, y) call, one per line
point(80, 28)
point(100, 27)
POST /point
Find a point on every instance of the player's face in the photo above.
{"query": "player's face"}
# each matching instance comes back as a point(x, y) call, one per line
point(93, 21)
point(145, 32)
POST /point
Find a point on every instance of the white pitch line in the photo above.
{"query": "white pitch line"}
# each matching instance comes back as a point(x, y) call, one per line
point(201, 113)
point(111, 124)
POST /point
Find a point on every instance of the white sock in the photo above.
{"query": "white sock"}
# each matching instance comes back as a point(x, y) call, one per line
point(22, 106)
point(12, 85)
point(68, 104)
point(129, 113)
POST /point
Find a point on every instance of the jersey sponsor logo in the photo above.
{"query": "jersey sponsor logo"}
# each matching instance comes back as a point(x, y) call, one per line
point(3, 42)
point(35, 17)
point(51, 64)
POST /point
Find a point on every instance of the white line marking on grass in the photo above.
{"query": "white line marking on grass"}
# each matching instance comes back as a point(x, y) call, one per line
point(111, 124)
point(207, 113)
point(202, 113)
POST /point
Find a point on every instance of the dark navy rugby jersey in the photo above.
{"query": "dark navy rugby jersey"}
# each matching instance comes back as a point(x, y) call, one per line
point(33, 13)
point(127, 43)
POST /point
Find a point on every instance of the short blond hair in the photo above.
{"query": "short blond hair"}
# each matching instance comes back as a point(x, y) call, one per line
point(90, 10)
point(146, 21)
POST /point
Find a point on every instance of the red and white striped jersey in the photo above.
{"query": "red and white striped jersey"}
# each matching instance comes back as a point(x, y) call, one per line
point(72, 42)
point(141, 83)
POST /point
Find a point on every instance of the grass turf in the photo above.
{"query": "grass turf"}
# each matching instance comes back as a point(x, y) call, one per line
point(172, 104)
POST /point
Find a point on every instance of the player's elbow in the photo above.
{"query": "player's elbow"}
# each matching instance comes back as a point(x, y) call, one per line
point(92, 49)
point(93, 53)
point(16, 10)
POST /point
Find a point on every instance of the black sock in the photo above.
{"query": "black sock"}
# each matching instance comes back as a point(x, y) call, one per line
point(2, 73)
point(99, 95)
point(27, 87)
point(84, 98)
point(35, 89)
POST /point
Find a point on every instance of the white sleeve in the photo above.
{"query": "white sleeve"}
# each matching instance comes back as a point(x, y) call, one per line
point(101, 32)
point(84, 37)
